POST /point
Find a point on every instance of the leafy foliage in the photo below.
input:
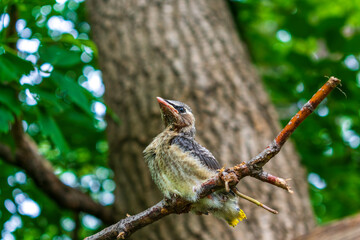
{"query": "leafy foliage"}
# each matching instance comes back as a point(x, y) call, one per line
point(12, 67)
point(49, 79)
point(294, 44)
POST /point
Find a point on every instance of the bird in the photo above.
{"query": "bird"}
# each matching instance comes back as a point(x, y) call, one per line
point(178, 164)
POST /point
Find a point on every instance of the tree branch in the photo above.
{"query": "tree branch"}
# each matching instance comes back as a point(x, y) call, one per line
point(277, 181)
point(261, 159)
point(347, 228)
point(231, 176)
point(40, 170)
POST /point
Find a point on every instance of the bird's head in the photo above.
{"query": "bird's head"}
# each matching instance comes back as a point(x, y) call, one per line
point(177, 115)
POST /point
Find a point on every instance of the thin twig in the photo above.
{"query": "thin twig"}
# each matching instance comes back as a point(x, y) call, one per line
point(253, 200)
point(277, 181)
point(261, 159)
point(230, 176)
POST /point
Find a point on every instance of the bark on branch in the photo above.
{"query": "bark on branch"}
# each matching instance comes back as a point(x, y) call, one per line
point(226, 177)
point(347, 228)
point(40, 170)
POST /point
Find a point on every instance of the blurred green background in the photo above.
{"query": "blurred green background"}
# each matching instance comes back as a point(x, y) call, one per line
point(49, 75)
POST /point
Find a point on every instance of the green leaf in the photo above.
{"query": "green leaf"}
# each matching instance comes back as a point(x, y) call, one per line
point(73, 90)
point(68, 38)
point(6, 117)
point(50, 128)
point(59, 56)
point(113, 115)
point(47, 99)
point(13, 67)
point(8, 97)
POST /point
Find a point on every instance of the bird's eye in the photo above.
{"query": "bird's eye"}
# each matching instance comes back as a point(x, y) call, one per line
point(180, 109)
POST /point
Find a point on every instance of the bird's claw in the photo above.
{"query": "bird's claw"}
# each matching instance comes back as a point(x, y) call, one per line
point(228, 177)
point(121, 235)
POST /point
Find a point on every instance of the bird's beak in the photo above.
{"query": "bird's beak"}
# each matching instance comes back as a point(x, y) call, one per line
point(165, 106)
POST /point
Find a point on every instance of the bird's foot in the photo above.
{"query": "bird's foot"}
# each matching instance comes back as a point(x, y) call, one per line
point(228, 177)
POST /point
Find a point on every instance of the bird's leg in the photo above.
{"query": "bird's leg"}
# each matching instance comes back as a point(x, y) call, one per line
point(121, 235)
point(227, 177)
point(227, 188)
point(250, 199)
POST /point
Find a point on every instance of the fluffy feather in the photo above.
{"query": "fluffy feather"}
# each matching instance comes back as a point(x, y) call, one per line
point(179, 165)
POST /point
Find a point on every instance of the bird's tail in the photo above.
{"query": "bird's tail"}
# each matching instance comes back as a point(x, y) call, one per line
point(222, 205)
point(241, 216)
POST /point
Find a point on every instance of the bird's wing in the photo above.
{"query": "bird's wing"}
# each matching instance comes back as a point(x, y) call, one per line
point(195, 149)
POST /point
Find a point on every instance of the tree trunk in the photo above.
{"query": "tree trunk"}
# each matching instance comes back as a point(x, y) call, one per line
point(190, 51)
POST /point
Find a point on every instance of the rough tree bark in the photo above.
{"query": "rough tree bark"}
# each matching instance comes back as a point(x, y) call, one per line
point(345, 229)
point(190, 51)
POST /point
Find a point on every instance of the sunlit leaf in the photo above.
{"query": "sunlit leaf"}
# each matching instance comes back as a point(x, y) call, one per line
point(8, 97)
point(59, 56)
point(50, 128)
point(113, 115)
point(13, 67)
point(68, 38)
point(47, 99)
point(72, 90)
point(6, 118)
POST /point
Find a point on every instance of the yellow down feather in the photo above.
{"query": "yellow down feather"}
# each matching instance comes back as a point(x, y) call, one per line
point(239, 218)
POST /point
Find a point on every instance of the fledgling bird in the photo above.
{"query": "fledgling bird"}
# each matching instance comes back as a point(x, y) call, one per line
point(179, 165)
